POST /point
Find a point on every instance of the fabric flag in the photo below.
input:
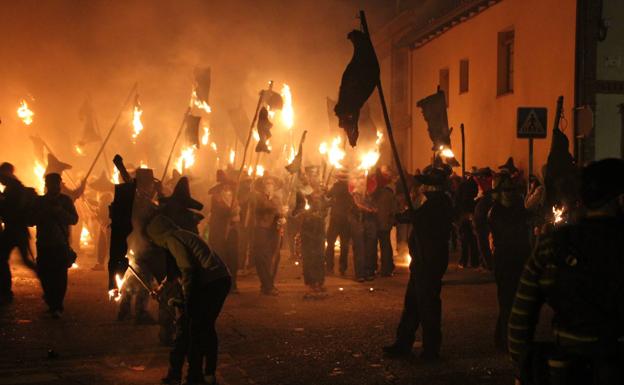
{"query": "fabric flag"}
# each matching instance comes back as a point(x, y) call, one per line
point(202, 83)
point(39, 148)
point(240, 122)
point(264, 130)
point(272, 99)
point(358, 82)
point(86, 116)
point(295, 165)
point(434, 111)
point(192, 130)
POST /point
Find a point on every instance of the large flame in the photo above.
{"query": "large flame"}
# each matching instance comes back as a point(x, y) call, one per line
point(205, 136)
point(287, 114)
point(186, 160)
point(370, 158)
point(115, 177)
point(260, 170)
point(335, 154)
point(250, 171)
point(446, 152)
point(85, 237)
point(292, 155)
point(39, 172)
point(213, 145)
point(25, 113)
point(232, 156)
point(137, 125)
point(201, 104)
point(143, 164)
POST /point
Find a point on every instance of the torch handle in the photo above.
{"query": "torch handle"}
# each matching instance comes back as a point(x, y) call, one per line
point(175, 141)
point(110, 132)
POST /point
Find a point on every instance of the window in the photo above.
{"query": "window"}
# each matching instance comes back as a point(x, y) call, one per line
point(444, 83)
point(505, 62)
point(463, 76)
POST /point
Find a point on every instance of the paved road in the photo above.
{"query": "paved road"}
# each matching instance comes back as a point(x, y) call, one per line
point(264, 340)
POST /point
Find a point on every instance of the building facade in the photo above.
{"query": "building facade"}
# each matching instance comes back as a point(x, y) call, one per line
point(493, 56)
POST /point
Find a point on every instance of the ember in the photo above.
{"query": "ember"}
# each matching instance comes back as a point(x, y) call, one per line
point(25, 113)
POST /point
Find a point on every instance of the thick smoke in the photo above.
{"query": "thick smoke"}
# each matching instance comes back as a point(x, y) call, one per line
point(58, 52)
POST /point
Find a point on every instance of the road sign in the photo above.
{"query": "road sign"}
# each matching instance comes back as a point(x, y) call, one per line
point(532, 122)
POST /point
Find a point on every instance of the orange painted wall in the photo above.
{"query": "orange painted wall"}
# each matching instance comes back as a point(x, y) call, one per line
point(544, 69)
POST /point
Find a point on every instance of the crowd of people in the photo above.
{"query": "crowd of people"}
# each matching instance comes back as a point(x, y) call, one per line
point(493, 217)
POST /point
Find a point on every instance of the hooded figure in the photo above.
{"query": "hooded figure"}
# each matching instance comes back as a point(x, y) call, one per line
point(205, 284)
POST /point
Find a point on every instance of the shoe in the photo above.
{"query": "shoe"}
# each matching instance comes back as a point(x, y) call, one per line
point(273, 292)
point(429, 356)
point(397, 351)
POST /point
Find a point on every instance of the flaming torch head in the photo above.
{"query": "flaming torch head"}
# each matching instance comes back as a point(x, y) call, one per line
point(25, 113)
point(137, 125)
point(287, 113)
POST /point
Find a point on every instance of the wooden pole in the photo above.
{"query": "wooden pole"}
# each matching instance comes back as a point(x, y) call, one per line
point(395, 152)
point(132, 91)
point(175, 141)
point(463, 139)
point(106, 159)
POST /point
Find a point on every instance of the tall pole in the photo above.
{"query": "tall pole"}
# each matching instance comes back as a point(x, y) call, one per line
point(175, 141)
point(463, 139)
point(395, 152)
point(132, 91)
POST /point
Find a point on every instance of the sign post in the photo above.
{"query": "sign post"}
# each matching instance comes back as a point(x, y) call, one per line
point(531, 124)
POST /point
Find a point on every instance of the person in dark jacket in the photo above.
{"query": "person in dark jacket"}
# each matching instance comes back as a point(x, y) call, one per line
point(223, 225)
point(13, 202)
point(483, 204)
point(509, 223)
point(429, 248)
point(385, 204)
point(55, 213)
point(312, 241)
point(339, 227)
point(206, 283)
point(465, 204)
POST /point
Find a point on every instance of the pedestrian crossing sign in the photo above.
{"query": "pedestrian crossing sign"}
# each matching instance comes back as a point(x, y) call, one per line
point(532, 122)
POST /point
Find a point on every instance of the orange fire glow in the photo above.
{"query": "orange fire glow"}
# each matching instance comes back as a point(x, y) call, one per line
point(137, 125)
point(186, 160)
point(25, 113)
point(287, 114)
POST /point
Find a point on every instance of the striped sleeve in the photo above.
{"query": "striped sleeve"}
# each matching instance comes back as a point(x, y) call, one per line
point(528, 302)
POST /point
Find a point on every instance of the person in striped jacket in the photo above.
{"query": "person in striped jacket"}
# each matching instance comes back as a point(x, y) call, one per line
point(577, 270)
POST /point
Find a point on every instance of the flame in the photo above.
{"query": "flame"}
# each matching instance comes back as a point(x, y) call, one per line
point(292, 155)
point(260, 170)
point(232, 156)
point(213, 145)
point(201, 104)
point(142, 164)
point(270, 112)
point(250, 171)
point(557, 214)
point(323, 148)
point(74, 266)
point(39, 172)
point(205, 137)
point(335, 154)
point(307, 205)
point(370, 158)
point(115, 177)
point(85, 237)
point(186, 160)
point(446, 152)
point(115, 294)
point(25, 113)
point(79, 150)
point(287, 114)
point(137, 125)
